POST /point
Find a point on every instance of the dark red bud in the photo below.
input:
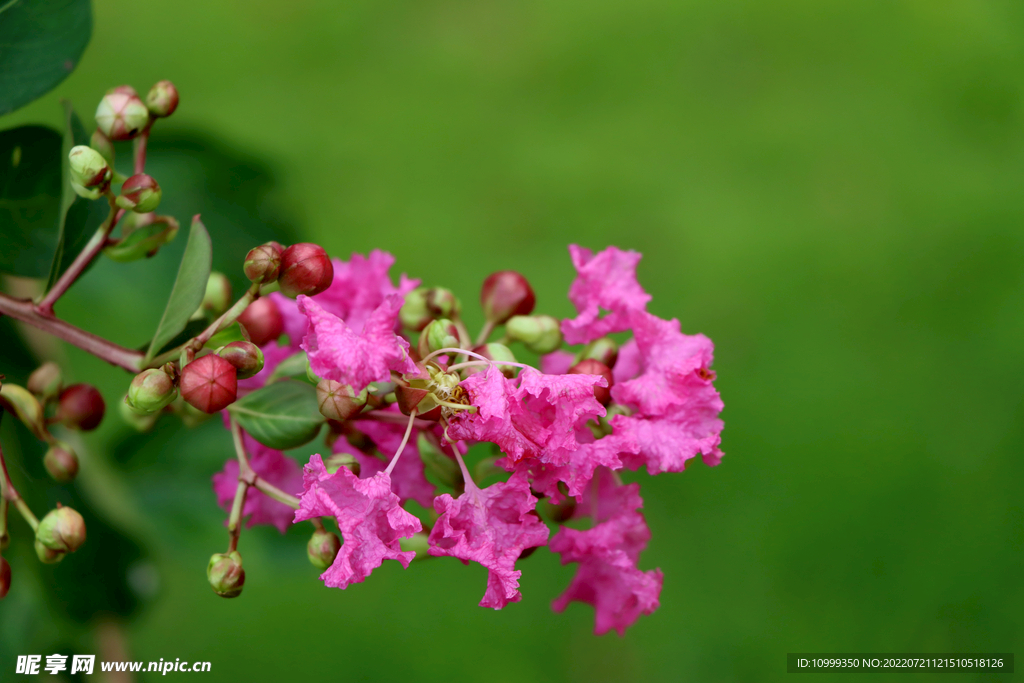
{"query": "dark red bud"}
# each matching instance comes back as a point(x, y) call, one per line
point(209, 383)
point(505, 294)
point(263, 263)
point(305, 269)
point(5, 578)
point(594, 367)
point(245, 356)
point(263, 321)
point(81, 407)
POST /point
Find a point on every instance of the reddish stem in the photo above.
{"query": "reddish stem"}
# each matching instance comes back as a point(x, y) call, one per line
point(140, 150)
point(78, 266)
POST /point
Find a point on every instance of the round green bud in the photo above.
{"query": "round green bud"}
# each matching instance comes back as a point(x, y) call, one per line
point(61, 462)
point(140, 194)
point(439, 334)
point(48, 555)
point(162, 99)
point(150, 391)
point(88, 167)
point(46, 381)
point(225, 574)
point(121, 115)
point(263, 263)
point(62, 530)
point(245, 356)
point(339, 401)
point(217, 298)
point(322, 548)
point(424, 304)
point(539, 333)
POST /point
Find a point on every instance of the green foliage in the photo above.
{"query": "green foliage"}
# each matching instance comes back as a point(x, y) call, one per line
point(189, 287)
point(232, 333)
point(42, 42)
point(283, 415)
point(30, 195)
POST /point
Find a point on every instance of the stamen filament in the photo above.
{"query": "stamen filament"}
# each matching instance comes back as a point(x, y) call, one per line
point(471, 363)
point(452, 351)
point(401, 447)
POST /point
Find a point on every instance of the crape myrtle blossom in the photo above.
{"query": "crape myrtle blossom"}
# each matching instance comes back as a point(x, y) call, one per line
point(556, 439)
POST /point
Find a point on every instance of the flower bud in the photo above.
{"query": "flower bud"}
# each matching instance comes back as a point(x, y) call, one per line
point(263, 321)
point(88, 167)
point(140, 194)
point(190, 416)
point(144, 239)
point(61, 462)
point(245, 356)
point(417, 543)
point(505, 294)
point(217, 297)
point(595, 367)
point(102, 144)
point(263, 263)
point(162, 99)
point(338, 401)
point(150, 391)
point(209, 383)
point(438, 334)
point(338, 460)
point(81, 407)
point(140, 422)
point(540, 333)
point(604, 350)
point(61, 530)
point(48, 555)
point(86, 193)
point(322, 548)
point(225, 574)
point(25, 406)
point(305, 269)
point(121, 115)
point(425, 304)
point(494, 351)
point(46, 381)
point(5, 578)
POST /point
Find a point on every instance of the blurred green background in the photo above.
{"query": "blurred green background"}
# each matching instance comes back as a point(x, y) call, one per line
point(831, 191)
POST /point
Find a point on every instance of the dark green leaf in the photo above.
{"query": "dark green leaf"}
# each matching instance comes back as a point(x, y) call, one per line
point(40, 43)
point(29, 198)
point(283, 415)
point(78, 217)
point(232, 333)
point(189, 287)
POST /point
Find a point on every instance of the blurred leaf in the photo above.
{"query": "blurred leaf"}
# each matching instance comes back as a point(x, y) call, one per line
point(189, 287)
point(293, 367)
point(282, 416)
point(143, 241)
point(232, 333)
point(42, 41)
point(78, 217)
point(30, 183)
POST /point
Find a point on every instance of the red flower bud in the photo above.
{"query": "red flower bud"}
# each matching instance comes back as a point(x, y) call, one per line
point(263, 321)
point(61, 462)
point(263, 263)
point(81, 407)
point(140, 194)
point(245, 356)
point(209, 384)
point(305, 269)
point(225, 574)
point(5, 578)
point(162, 99)
point(594, 367)
point(505, 294)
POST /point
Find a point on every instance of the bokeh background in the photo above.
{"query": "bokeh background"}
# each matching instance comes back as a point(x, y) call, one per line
point(831, 191)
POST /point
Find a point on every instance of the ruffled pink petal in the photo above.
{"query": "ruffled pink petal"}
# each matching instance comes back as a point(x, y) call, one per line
point(273, 466)
point(408, 476)
point(605, 282)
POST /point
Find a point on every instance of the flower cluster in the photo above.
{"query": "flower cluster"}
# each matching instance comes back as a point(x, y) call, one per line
point(401, 407)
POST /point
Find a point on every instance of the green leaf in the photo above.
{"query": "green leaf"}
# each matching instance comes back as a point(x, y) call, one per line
point(292, 367)
point(78, 217)
point(188, 290)
point(232, 333)
point(29, 198)
point(40, 43)
point(283, 415)
point(144, 241)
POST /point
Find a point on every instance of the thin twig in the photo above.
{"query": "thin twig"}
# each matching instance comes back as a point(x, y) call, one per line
point(78, 266)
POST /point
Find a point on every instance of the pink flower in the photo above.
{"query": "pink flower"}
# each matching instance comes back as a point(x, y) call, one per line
point(408, 476)
point(273, 466)
point(608, 577)
point(492, 526)
point(604, 282)
point(339, 353)
point(557, 362)
point(579, 469)
point(369, 517)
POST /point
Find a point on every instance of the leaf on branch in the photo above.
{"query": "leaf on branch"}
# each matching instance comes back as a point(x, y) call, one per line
point(232, 333)
point(30, 190)
point(42, 42)
point(188, 290)
point(283, 415)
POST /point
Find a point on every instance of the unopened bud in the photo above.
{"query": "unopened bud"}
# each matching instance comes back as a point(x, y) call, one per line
point(495, 352)
point(102, 144)
point(25, 406)
point(81, 407)
point(245, 356)
point(61, 462)
point(121, 115)
point(263, 263)
point(505, 294)
point(61, 530)
point(143, 240)
point(140, 194)
point(540, 333)
point(305, 269)
point(162, 99)
point(46, 381)
point(338, 401)
point(438, 334)
point(603, 349)
point(86, 193)
point(263, 321)
point(150, 391)
point(138, 421)
point(190, 416)
point(418, 543)
point(595, 367)
point(225, 574)
point(338, 460)
point(48, 555)
point(88, 167)
point(5, 578)
point(209, 383)
point(425, 304)
point(217, 297)
point(322, 548)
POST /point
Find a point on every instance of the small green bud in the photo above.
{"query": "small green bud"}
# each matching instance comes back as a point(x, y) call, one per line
point(121, 115)
point(263, 263)
point(25, 406)
point(88, 167)
point(217, 298)
point(418, 543)
point(102, 144)
point(86, 193)
point(140, 194)
point(62, 530)
point(540, 333)
point(162, 99)
point(497, 352)
point(61, 462)
point(150, 391)
point(603, 350)
point(322, 548)
point(245, 356)
point(438, 334)
point(225, 574)
point(425, 304)
point(46, 381)
point(338, 460)
point(338, 401)
point(48, 555)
